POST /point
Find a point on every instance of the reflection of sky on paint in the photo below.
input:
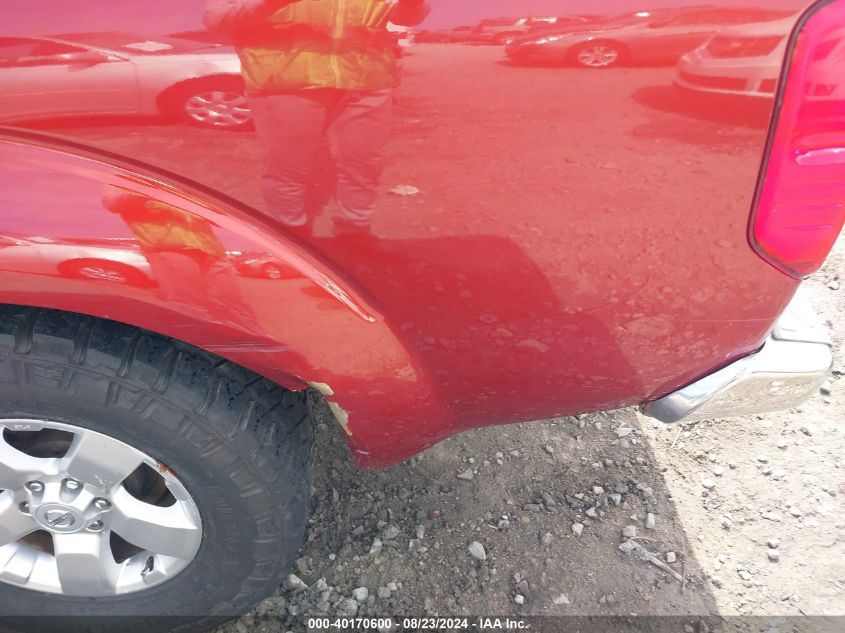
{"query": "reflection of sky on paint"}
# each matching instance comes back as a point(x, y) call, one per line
point(149, 17)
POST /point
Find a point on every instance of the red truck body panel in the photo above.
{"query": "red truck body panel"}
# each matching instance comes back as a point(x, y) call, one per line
point(547, 240)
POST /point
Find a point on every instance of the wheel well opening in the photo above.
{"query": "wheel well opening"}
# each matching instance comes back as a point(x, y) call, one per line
point(18, 324)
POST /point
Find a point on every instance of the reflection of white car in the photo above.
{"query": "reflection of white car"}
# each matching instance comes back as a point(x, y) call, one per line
point(114, 260)
point(103, 73)
point(743, 60)
point(404, 35)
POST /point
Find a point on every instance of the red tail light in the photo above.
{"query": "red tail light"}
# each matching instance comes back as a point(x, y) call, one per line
point(801, 201)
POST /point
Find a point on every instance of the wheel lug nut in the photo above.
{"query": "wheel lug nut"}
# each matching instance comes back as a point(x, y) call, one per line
point(102, 504)
point(72, 484)
point(34, 486)
point(24, 507)
point(96, 526)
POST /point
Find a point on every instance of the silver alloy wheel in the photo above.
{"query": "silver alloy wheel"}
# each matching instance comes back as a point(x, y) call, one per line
point(598, 55)
point(271, 271)
point(71, 523)
point(218, 108)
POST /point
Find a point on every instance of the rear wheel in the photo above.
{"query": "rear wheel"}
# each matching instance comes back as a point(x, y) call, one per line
point(272, 271)
point(218, 103)
point(140, 476)
point(598, 54)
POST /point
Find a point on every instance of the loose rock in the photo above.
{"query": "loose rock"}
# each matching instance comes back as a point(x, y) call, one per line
point(466, 475)
point(348, 608)
point(577, 528)
point(294, 583)
point(477, 551)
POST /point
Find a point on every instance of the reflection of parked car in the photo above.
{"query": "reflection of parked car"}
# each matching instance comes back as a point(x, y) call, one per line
point(121, 74)
point(263, 265)
point(447, 36)
point(405, 37)
point(745, 60)
point(505, 30)
point(117, 261)
point(654, 36)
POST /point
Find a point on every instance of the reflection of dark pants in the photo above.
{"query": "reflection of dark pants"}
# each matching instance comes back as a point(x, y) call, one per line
point(294, 129)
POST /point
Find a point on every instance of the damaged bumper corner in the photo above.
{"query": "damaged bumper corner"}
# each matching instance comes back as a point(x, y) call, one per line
point(786, 371)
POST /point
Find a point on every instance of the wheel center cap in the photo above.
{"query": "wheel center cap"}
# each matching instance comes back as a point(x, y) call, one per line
point(58, 518)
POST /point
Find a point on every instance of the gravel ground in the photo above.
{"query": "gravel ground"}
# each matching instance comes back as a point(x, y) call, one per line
point(743, 517)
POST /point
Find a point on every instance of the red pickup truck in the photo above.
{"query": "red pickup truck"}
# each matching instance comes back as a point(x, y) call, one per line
point(210, 209)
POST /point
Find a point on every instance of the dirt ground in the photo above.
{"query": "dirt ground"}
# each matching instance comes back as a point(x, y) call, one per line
point(766, 539)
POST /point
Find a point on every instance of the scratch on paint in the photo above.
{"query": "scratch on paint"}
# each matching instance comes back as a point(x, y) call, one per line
point(342, 417)
point(322, 387)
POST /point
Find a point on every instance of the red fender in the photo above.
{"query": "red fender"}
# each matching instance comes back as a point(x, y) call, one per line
point(176, 261)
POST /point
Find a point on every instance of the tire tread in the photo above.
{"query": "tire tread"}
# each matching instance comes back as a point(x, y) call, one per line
point(257, 432)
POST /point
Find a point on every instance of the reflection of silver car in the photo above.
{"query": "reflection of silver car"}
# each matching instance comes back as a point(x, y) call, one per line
point(662, 35)
point(505, 30)
point(115, 260)
point(94, 74)
point(744, 60)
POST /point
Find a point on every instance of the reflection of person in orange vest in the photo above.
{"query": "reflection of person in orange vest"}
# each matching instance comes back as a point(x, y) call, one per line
point(313, 67)
point(188, 262)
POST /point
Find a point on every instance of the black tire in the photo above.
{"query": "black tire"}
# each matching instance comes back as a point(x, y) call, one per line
point(239, 443)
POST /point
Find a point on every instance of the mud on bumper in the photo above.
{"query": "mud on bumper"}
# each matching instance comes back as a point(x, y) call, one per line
point(786, 371)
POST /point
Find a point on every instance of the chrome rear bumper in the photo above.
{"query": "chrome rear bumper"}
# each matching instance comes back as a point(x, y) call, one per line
point(787, 370)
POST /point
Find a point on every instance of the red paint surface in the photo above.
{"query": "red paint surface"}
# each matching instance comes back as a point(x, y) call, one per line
point(576, 239)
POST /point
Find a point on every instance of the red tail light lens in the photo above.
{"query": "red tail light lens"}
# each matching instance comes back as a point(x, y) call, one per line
point(801, 201)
